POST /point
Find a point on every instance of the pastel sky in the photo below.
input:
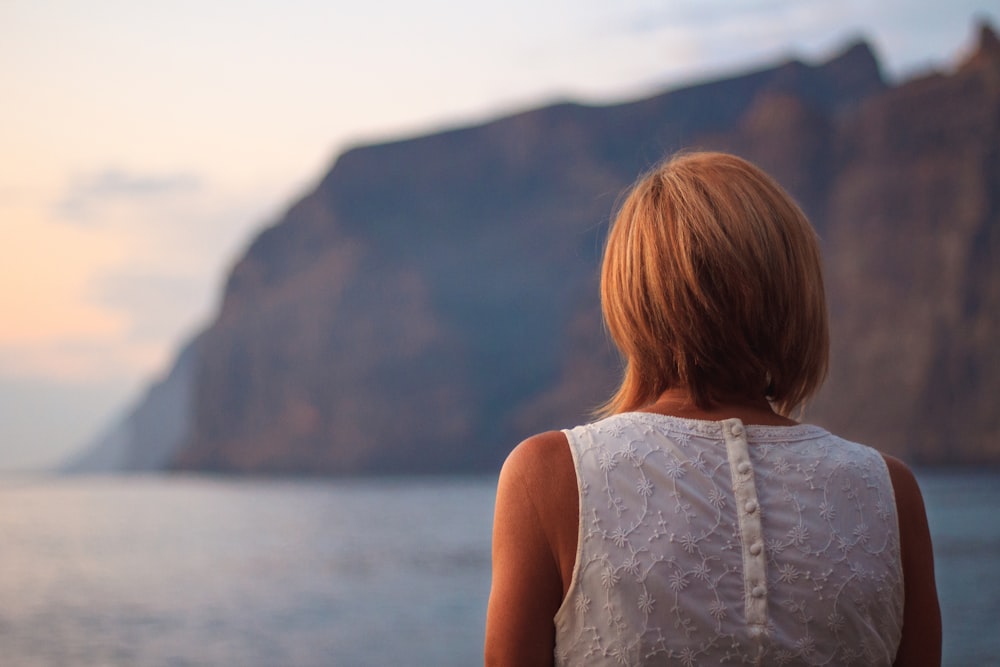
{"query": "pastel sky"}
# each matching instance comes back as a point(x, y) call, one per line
point(143, 144)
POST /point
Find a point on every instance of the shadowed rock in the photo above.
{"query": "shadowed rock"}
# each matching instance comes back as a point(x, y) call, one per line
point(434, 300)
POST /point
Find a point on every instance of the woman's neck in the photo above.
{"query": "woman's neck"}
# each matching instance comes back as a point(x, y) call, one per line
point(679, 402)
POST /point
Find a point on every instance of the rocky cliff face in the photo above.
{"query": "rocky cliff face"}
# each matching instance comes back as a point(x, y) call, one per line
point(148, 437)
point(913, 249)
point(434, 300)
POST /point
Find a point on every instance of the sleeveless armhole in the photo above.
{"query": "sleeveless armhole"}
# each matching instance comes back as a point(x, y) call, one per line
point(899, 527)
point(558, 619)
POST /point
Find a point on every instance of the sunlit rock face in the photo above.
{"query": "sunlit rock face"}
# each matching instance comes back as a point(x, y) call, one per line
point(434, 300)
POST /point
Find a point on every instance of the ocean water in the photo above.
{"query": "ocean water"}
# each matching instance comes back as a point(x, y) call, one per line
point(963, 510)
point(177, 571)
point(183, 571)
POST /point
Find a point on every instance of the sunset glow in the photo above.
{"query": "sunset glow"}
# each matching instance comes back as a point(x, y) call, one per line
point(143, 146)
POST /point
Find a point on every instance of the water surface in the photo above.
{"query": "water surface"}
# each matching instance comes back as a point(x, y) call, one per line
point(188, 570)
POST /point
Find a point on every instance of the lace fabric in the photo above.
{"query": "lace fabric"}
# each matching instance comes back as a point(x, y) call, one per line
point(707, 543)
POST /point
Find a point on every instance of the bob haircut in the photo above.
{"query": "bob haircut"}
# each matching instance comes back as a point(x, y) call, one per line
point(712, 281)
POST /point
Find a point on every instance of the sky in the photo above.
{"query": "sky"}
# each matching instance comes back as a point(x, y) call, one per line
point(142, 145)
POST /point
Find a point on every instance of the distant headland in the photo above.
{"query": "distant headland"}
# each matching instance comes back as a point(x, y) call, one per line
point(434, 300)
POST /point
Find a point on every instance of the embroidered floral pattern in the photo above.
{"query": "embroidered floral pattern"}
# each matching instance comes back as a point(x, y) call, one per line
point(660, 574)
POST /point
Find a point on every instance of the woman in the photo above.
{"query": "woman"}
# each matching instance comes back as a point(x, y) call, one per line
point(697, 523)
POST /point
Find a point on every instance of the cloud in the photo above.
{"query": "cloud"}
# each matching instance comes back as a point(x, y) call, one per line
point(695, 40)
point(705, 15)
point(910, 36)
point(111, 185)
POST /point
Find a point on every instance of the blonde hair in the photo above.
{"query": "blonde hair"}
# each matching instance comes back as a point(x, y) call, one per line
point(712, 281)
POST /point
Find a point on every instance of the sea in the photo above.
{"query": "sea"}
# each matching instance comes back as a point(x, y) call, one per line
point(177, 571)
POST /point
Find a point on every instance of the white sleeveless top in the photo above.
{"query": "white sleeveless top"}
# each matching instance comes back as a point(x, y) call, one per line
point(706, 543)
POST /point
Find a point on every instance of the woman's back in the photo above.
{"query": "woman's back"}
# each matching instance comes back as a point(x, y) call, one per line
point(709, 542)
point(653, 539)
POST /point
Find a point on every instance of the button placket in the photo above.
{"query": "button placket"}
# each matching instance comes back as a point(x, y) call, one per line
point(751, 531)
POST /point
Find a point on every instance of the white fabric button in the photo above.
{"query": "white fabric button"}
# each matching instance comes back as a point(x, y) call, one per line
point(758, 591)
point(756, 548)
point(751, 506)
point(736, 430)
point(744, 467)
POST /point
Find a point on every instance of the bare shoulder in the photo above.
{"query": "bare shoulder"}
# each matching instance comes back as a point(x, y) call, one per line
point(540, 472)
point(542, 468)
point(921, 640)
point(538, 457)
point(904, 486)
point(896, 467)
point(528, 561)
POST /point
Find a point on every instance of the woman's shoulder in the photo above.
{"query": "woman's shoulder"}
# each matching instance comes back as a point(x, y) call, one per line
point(537, 455)
point(538, 483)
point(909, 500)
point(921, 643)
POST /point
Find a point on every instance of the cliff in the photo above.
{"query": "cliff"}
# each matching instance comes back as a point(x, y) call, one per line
point(434, 300)
point(913, 245)
point(147, 438)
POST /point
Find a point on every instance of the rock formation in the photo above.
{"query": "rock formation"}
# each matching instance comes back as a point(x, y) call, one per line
point(434, 300)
